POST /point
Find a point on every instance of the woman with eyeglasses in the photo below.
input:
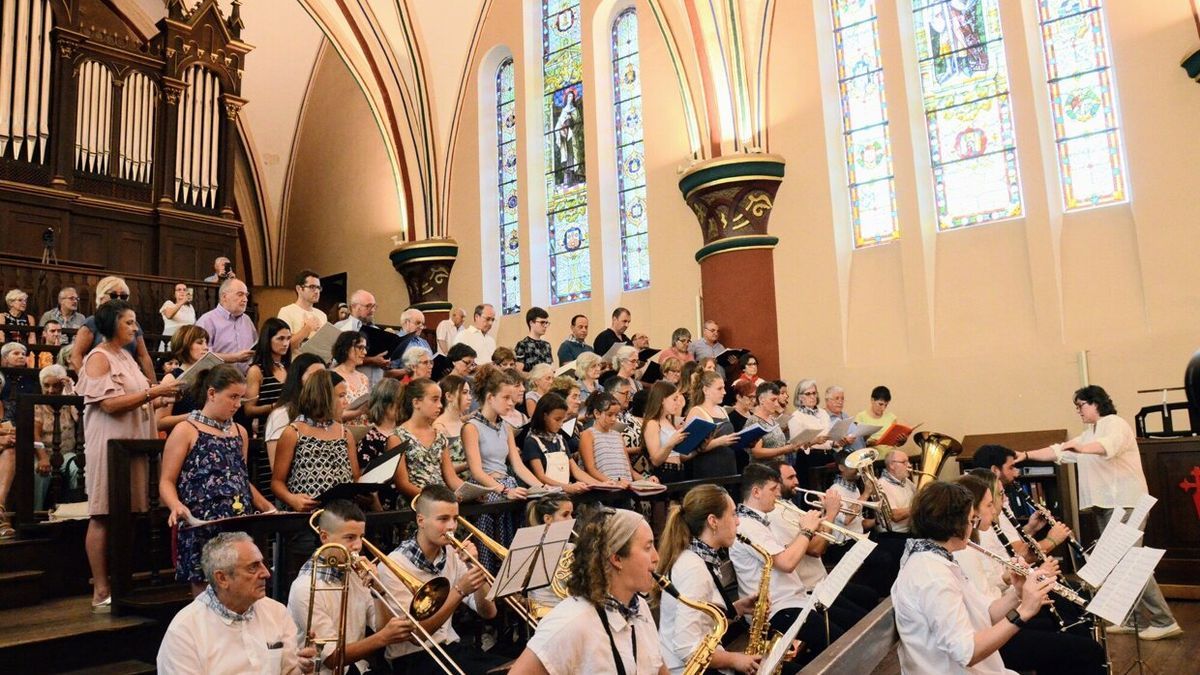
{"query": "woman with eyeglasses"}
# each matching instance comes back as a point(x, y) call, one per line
point(17, 300)
point(349, 350)
point(681, 339)
point(108, 289)
point(625, 363)
point(749, 364)
point(809, 415)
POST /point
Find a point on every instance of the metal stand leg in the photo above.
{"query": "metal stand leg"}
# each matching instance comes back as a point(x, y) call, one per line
point(1139, 662)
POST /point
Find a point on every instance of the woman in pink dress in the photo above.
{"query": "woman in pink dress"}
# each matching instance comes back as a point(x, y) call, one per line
point(120, 403)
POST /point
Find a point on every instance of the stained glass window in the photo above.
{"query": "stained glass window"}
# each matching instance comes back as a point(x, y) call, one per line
point(631, 169)
point(1079, 73)
point(566, 182)
point(506, 173)
point(968, 114)
point(864, 122)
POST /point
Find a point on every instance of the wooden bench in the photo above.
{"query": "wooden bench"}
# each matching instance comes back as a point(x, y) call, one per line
point(862, 648)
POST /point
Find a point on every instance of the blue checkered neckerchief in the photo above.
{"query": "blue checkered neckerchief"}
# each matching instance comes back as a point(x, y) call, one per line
point(327, 573)
point(310, 422)
point(200, 417)
point(209, 599)
point(628, 612)
point(887, 475)
point(838, 480)
point(412, 550)
point(925, 546)
point(744, 511)
point(711, 556)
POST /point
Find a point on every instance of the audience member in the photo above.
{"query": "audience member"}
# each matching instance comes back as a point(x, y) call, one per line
point(878, 415)
point(621, 388)
point(222, 270)
point(533, 348)
point(315, 452)
point(268, 370)
point(177, 312)
point(538, 382)
point(51, 337)
point(118, 397)
point(504, 358)
point(601, 446)
point(661, 432)
point(709, 346)
point(614, 333)
point(749, 364)
point(425, 457)
point(640, 341)
point(672, 370)
point(625, 363)
point(587, 370)
point(766, 415)
point(339, 313)
point(456, 406)
point(67, 313)
point(204, 472)
point(716, 456)
point(302, 316)
point(462, 360)
point(476, 335)
point(110, 288)
point(382, 413)
point(449, 329)
point(412, 322)
point(348, 353)
point(17, 300)
point(576, 342)
point(417, 362)
point(285, 410)
point(188, 346)
point(55, 382)
point(231, 332)
point(681, 339)
point(362, 313)
point(744, 398)
point(544, 439)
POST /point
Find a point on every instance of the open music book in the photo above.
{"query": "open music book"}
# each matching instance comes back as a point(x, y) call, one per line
point(189, 374)
point(193, 521)
point(895, 432)
point(470, 492)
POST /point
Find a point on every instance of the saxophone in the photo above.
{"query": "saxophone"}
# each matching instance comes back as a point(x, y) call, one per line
point(762, 636)
point(697, 663)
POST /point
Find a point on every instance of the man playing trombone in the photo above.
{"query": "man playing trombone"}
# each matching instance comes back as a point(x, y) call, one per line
point(426, 556)
point(344, 523)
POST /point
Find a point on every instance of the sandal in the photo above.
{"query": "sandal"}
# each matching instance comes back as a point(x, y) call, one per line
point(102, 607)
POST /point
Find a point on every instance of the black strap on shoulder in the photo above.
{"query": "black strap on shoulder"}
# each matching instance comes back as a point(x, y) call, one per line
point(620, 664)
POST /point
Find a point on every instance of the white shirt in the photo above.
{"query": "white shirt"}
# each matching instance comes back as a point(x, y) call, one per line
point(445, 634)
point(801, 421)
point(570, 640)
point(842, 518)
point(186, 316)
point(360, 612)
point(483, 344)
point(982, 572)
point(277, 421)
point(681, 628)
point(446, 332)
point(810, 569)
point(937, 614)
point(899, 497)
point(202, 642)
point(1114, 479)
point(293, 316)
point(787, 590)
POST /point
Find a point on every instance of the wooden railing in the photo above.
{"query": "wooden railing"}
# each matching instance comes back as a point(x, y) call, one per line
point(23, 483)
point(862, 648)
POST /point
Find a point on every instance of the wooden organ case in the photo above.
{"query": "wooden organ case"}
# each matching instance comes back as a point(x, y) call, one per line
point(120, 135)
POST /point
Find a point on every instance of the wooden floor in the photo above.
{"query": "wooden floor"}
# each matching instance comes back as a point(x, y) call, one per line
point(1166, 657)
point(59, 618)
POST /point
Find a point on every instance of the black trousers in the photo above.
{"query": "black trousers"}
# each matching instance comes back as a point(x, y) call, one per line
point(1050, 651)
point(472, 661)
point(816, 633)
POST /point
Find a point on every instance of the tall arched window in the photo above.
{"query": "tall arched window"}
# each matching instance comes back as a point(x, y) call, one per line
point(968, 114)
point(868, 146)
point(1079, 73)
point(506, 176)
point(631, 164)
point(566, 182)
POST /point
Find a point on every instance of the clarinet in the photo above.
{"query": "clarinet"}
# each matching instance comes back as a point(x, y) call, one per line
point(1062, 625)
point(1025, 536)
point(1073, 544)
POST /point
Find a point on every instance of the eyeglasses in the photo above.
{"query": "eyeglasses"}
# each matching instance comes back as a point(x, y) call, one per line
point(363, 347)
point(751, 363)
point(113, 295)
point(312, 287)
point(544, 322)
point(369, 305)
point(1079, 404)
point(808, 393)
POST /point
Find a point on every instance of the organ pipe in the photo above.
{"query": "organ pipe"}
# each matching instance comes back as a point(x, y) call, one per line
point(25, 60)
point(138, 106)
point(93, 123)
point(197, 147)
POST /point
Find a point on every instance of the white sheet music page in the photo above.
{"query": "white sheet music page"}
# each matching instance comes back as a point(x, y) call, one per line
point(775, 657)
point(1137, 518)
point(1124, 586)
point(1116, 540)
point(828, 588)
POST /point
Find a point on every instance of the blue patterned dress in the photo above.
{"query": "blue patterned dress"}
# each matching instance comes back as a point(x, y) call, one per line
point(213, 483)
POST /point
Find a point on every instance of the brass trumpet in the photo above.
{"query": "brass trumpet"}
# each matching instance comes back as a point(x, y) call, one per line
point(813, 499)
point(791, 513)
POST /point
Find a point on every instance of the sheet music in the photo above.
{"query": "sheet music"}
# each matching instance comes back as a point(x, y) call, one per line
point(1116, 540)
point(840, 428)
point(865, 431)
point(524, 569)
point(1137, 518)
point(775, 657)
point(1124, 586)
point(804, 436)
point(828, 588)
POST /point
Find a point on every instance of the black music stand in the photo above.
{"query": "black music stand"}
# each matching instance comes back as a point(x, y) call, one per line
point(532, 558)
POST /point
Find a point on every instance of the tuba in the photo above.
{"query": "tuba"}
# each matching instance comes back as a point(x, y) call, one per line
point(697, 663)
point(935, 449)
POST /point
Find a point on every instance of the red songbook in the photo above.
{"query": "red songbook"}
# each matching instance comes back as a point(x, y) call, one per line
point(894, 433)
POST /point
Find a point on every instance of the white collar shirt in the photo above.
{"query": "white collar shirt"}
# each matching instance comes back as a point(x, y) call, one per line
point(445, 633)
point(938, 612)
point(982, 572)
point(787, 590)
point(570, 640)
point(199, 641)
point(446, 332)
point(681, 628)
point(476, 339)
point(899, 497)
point(1114, 479)
point(855, 525)
point(810, 569)
point(360, 611)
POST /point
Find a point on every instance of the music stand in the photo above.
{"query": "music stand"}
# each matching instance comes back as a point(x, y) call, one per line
point(532, 558)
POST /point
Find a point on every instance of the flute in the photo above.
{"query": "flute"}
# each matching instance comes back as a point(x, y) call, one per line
point(1061, 590)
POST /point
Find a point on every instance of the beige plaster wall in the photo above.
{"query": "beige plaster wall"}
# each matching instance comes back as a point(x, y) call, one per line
point(975, 331)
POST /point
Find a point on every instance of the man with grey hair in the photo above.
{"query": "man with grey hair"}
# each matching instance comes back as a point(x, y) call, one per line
point(449, 329)
point(231, 334)
point(412, 322)
point(417, 361)
point(66, 313)
point(362, 313)
point(476, 335)
point(232, 627)
point(222, 270)
point(709, 345)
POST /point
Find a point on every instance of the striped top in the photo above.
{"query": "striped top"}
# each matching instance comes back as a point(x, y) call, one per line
point(269, 390)
point(611, 459)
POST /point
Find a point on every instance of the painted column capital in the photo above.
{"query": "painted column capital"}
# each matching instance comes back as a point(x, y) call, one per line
point(425, 266)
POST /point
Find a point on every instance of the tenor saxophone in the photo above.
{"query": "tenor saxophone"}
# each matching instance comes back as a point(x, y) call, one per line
point(697, 663)
point(762, 636)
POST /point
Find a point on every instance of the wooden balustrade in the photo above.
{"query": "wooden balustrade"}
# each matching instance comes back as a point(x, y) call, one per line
point(22, 493)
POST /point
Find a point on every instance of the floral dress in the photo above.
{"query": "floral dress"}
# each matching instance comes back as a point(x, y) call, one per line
point(372, 446)
point(213, 483)
point(424, 464)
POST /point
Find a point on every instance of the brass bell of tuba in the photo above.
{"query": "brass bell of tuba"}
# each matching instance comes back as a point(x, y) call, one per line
point(935, 449)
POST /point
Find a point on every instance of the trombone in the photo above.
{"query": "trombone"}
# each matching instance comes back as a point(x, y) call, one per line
point(336, 557)
point(791, 514)
point(813, 498)
point(499, 551)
